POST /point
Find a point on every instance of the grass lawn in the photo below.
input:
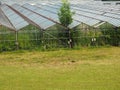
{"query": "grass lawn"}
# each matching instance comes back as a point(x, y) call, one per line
point(83, 69)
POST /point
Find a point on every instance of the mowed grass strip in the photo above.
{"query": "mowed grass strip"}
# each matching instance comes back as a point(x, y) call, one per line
point(83, 69)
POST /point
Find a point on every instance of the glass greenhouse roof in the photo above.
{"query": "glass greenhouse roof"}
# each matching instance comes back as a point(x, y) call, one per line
point(97, 16)
point(50, 14)
point(33, 17)
point(55, 11)
point(4, 21)
point(44, 16)
point(76, 17)
point(15, 19)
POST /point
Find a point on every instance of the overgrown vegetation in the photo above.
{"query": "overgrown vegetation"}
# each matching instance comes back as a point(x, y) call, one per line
point(54, 37)
point(112, 34)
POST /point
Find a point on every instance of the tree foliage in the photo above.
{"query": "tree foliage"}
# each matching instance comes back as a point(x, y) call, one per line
point(65, 17)
point(65, 14)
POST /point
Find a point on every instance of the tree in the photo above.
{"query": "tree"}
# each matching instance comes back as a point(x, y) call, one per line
point(65, 18)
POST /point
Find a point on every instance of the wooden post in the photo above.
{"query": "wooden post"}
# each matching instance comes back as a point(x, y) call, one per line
point(42, 39)
point(16, 40)
point(116, 42)
point(70, 40)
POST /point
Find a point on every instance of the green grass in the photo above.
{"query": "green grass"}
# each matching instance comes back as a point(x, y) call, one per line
point(83, 69)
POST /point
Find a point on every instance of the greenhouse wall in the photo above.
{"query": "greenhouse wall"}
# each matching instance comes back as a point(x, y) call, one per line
point(54, 37)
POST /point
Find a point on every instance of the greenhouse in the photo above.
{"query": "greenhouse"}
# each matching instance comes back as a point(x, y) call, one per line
point(30, 26)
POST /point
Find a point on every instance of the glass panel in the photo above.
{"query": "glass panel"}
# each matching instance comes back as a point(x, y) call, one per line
point(74, 24)
point(4, 21)
point(35, 18)
point(112, 15)
point(47, 24)
point(43, 12)
point(13, 17)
